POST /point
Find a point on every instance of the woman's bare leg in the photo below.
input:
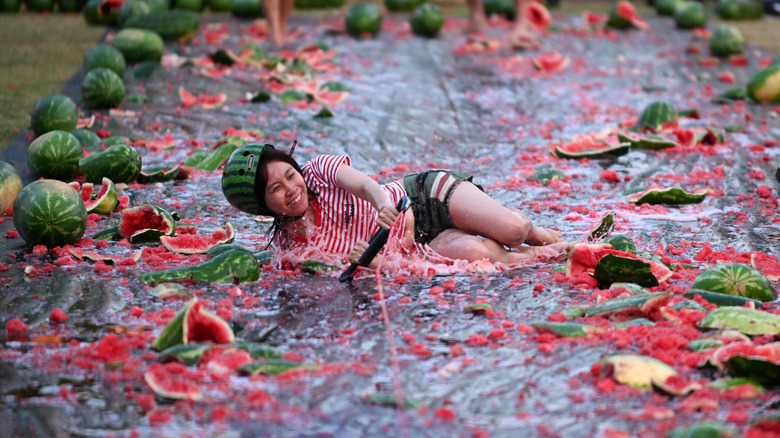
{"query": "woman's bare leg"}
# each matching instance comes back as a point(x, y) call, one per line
point(521, 29)
point(475, 212)
point(275, 27)
point(285, 10)
point(457, 244)
point(477, 22)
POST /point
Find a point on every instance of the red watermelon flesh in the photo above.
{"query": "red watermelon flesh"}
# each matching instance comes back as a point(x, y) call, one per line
point(538, 16)
point(229, 360)
point(142, 219)
point(584, 257)
point(766, 264)
point(201, 325)
point(551, 62)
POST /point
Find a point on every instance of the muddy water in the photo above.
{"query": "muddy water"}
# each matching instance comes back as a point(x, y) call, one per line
point(412, 103)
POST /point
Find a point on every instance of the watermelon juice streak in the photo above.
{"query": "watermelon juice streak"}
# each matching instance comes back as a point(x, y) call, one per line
point(395, 366)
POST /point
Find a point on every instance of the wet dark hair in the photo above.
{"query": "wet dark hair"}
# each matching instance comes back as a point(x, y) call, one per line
point(261, 180)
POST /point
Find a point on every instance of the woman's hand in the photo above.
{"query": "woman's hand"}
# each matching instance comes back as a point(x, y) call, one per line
point(360, 247)
point(386, 215)
point(542, 236)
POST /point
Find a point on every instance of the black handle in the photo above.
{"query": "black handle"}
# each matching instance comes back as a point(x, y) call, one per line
point(378, 241)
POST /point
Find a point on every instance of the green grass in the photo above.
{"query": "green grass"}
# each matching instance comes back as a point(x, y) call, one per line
point(39, 54)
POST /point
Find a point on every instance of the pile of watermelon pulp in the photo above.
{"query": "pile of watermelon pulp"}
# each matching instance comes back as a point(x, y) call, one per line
point(475, 357)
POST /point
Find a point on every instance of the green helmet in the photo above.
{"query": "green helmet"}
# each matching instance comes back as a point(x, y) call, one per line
point(238, 178)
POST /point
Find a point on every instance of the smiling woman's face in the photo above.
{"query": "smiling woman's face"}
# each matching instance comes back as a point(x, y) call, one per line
point(285, 190)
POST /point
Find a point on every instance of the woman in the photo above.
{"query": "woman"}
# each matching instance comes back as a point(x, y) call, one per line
point(329, 204)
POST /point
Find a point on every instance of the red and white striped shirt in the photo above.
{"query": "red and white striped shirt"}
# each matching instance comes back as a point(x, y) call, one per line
point(341, 218)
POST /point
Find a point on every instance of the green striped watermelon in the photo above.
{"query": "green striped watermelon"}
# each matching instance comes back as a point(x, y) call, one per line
point(427, 20)
point(658, 116)
point(106, 56)
point(57, 111)
point(132, 8)
point(55, 155)
point(10, 6)
point(247, 9)
point(49, 212)
point(363, 18)
point(666, 7)
point(120, 163)
point(173, 25)
point(40, 5)
point(10, 186)
point(219, 5)
point(102, 88)
point(88, 139)
point(764, 86)
point(690, 15)
point(190, 5)
point(139, 45)
point(727, 41)
point(736, 279)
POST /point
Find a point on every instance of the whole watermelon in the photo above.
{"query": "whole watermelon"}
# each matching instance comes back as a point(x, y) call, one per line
point(401, 5)
point(690, 15)
point(364, 18)
point(88, 139)
point(120, 163)
point(764, 86)
point(504, 8)
point(667, 7)
point(132, 8)
point(50, 212)
point(40, 5)
point(10, 186)
point(102, 88)
point(50, 113)
point(55, 155)
point(736, 279)
point(106, 56)
point(247, 9)
point(173, 25)
point(727, 41)
point(190, 5)
point(70, 5)
point(102, 12)
point(427, 20)
point(139, 44)
point(10, 6)
point(729, 10)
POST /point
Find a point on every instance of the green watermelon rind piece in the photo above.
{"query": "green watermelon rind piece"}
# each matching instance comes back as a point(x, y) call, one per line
point(722, 299)
point(648, 142)
point(158, 173)
point(612, 268)
point(607, 151)
point(234, 266)
point(188, 354)
point(152, 230)
point(49, 212)
point(761, 369)
point(621, 243)
point(184, 389)
point(547, 174)
point(566, 329)
point(671, 196)
point(636, 370)
point(736, 279)
point(273, 367)
point(746, 321)
point(657, 115)
point(702, 429)
point(180, 244)
point(633, 303)
point(216, 158)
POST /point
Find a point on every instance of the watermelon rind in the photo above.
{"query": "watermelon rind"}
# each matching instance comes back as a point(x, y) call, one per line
point(723, 299)
point(669, 196)
point(273, 367)
point(173, 333)
point(49, 212)
point(139, 45)
point(188, 354)
point(193, 244)
point(88, 139)
point(55, 155)
point(566, 329)
point(201, 325)
point(763, 370)
point(764, 86)
point(102, 88)
point(596, 152)
point(649, 142)
point(104, 56)
point(736, 279)
point(120, 163)
point(10, 186)
point(702, 429)
point(106, 200)
point(234, 266)
point(258, 350)
point(503, 8)
point(746, 321)
point(164, 291)
point(656, 116)
point(216, 158)
point(633, 303)
point(172, 25)
point(55, 112)
point(363, 18)
point(172, 386)
point(158, 173)
point(621, 243)
point(612, 268)
point(146, 223)
point(636, 370)
point(727, 40)
point(546, 174)
point(427, 20)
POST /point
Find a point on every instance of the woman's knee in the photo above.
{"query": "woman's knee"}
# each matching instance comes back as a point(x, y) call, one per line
point(515, 231)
